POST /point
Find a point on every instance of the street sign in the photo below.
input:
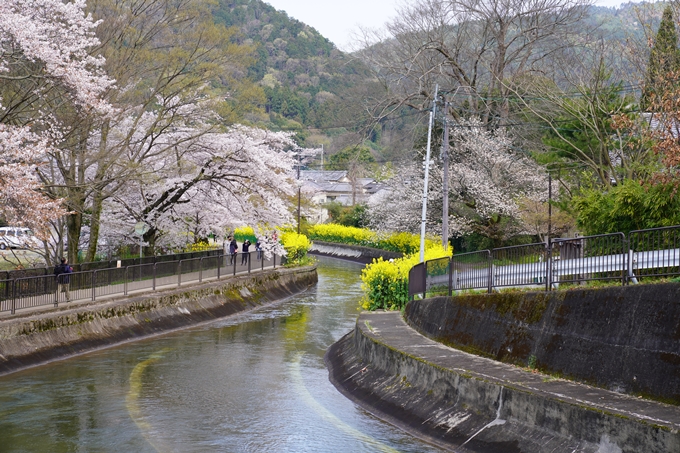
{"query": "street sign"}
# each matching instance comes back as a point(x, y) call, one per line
point(141, 228)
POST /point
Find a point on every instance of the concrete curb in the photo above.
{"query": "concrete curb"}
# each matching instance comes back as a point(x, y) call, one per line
point(466, 403)
point(34, 339)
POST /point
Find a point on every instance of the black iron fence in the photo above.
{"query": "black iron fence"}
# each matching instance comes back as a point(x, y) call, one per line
point(645, 253)
point(37, 290)
point(108, 264)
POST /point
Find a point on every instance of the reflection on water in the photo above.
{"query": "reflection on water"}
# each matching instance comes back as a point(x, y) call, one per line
point(255, 382)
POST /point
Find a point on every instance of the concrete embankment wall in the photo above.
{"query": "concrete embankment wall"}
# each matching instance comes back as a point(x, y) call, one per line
point(354, 253)
point(620, 338)
point(465, 403)
point(30, 340)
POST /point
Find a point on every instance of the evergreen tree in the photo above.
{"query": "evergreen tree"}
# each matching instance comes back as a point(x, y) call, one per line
point(664, 63)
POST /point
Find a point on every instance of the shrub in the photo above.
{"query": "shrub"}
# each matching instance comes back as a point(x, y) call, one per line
point(353, 216)
point(385, 283)
point(631, 205)
point(332, 232)
point(296, 246)
point(200, 247)
point(405, 243)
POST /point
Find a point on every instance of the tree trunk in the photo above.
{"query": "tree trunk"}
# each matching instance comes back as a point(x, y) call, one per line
point(95, 222)
point(74, 224)
point(150, 238)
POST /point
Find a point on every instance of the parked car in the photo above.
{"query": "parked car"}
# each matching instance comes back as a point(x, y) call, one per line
point(18, 237)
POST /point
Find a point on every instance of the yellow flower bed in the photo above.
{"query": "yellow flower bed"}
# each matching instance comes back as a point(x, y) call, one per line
point(243, 233)
point(200, 247)
point(395, 242)
point(385, 283)
point(343, 234)
point(296, 246)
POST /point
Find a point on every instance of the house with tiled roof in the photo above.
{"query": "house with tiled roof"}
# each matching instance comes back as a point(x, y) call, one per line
point(335, 185)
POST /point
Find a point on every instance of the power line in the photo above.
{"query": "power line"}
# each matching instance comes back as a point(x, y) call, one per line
point(629, 88)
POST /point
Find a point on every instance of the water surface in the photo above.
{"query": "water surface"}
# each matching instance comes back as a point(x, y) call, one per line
point(255, 382)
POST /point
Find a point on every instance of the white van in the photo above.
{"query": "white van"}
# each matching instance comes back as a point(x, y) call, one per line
point(18, 237)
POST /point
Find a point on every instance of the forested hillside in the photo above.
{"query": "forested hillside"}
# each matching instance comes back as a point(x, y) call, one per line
point(309, 85)
point(326, 95)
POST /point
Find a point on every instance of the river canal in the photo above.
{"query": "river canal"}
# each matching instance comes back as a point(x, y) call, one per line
point(251, 383)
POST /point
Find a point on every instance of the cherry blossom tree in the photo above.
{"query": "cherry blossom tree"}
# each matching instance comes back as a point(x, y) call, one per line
point(45, 65)
point(212, 182)
point(488, 177)
point(20, 197)
point(175, 70)
point(47, 42)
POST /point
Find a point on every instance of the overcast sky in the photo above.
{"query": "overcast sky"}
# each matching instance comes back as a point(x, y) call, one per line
point(336, 19)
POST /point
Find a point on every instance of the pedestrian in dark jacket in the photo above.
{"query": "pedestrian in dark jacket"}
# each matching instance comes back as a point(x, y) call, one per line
point(233, 248)
point(61, 274)
point(246, 254)
point(258, 249)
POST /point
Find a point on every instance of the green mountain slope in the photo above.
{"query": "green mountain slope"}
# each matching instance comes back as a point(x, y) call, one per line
point(314, 88)
point(308, 82)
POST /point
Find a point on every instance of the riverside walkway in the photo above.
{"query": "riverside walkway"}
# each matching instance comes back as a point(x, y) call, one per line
point(25, 296)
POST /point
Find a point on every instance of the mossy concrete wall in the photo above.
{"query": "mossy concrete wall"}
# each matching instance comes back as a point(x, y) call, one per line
point(30, 340)
point(624, 339)
point(465, 403)
point(355, 253)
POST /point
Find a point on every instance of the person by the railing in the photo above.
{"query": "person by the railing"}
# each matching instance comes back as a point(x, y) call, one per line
point(258, 249)
point(233, 248)
point(245, 252)
point(61, 273)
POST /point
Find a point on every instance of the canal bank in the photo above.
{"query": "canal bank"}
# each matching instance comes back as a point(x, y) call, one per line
point(466, 403)
point(31, 339)
point(347, 252)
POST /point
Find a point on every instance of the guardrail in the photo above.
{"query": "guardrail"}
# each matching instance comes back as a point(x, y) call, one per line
point(35, 291)
point(645, 253)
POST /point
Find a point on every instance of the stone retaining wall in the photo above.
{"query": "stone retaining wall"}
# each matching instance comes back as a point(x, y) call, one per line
point(30, 340)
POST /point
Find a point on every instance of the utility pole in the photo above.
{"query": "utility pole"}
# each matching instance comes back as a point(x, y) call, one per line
point(549, 206)
point(445, 189)
point(427, 173)
point(299, 188)
point(548, 248)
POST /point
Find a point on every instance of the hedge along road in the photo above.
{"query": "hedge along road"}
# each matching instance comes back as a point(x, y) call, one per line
point(255, 382)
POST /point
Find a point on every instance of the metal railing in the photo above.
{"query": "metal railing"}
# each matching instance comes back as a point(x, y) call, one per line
point(108, 264)
point(34, 291)
point(645, 253)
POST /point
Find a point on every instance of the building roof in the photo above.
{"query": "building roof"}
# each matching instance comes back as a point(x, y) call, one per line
point(323, 176)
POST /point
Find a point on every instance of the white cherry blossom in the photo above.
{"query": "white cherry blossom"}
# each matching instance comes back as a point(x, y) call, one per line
point(487, 176)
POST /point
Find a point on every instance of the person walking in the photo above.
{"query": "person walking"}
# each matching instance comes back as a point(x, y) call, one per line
point(258, 249)
point(233, 248)
point(246, 254)
point(61, 274)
